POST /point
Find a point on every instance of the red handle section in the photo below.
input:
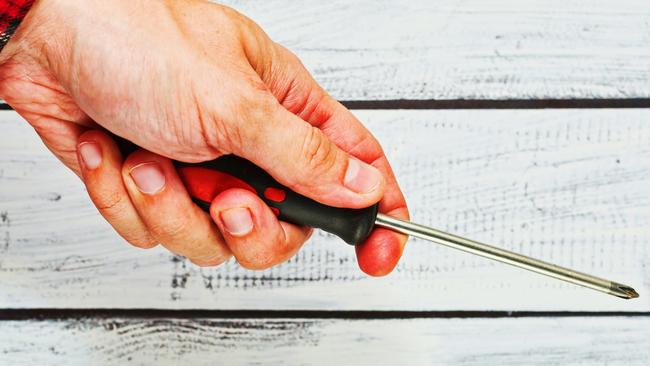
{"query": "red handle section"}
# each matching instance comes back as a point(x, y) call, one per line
point(205, 184)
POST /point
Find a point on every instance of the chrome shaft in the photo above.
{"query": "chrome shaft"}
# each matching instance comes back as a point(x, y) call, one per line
point(505, 256)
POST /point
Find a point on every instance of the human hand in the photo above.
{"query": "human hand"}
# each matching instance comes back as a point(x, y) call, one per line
point(190, 81)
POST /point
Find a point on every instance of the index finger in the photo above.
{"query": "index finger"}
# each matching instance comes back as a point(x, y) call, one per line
point(299, 93)
point(379, 254)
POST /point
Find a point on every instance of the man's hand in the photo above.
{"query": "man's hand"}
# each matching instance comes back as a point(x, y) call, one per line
point(190, 81)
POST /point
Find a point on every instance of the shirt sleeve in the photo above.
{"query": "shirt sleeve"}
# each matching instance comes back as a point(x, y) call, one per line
point(12, 13)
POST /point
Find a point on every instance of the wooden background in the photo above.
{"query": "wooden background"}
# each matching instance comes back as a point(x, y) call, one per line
point(525, 124)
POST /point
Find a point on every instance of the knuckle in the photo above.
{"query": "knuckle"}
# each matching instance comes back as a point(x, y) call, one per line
point(210, 133)
point(210, 262)
point(266, 256)
point(257, 261)
point(253, 107)
point(318, 151)
point(145, 242)
point(203, 264)
point(170, 230)
point(228, 12)
point(213, 132)
point(110, 205)
point(255, 265)
point(256, 100)
point(225, 136)
point(109, 202)
point(137, 237)
point(290, 57)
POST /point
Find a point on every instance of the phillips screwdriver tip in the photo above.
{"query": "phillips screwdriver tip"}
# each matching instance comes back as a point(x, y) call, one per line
point(623, 291)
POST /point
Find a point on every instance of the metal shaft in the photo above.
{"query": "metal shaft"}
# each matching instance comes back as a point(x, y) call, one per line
point(502, 255)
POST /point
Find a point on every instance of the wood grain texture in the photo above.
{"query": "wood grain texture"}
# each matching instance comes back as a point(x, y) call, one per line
point(454, 49)
point(568, 186)
point(463, 342)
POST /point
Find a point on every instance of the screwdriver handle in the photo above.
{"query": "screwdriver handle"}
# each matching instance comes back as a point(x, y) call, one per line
point(204, 181)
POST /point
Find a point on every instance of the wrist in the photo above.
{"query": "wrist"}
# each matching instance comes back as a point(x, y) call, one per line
point(43, 31)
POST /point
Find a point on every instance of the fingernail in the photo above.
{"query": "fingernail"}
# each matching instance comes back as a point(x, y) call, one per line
point(361, 177)
point(237, 221)
point(148, 177)
point(91, 154)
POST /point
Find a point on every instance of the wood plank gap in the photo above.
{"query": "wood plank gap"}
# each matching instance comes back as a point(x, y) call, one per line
point(484, 104)
point(498, 104)
point(142, 313)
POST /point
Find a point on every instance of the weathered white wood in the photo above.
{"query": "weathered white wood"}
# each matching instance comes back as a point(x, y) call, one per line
point(569, 186)
point(458, 49)
point(450, 49)
point(463, 342)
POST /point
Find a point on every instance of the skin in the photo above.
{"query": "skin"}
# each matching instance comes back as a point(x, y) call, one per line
point(190, 81)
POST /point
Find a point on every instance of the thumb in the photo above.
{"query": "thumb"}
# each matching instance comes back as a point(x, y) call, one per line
point(302, 158)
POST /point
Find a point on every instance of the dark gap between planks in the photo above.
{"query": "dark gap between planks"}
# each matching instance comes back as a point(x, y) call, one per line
point(62, 314)
point(498, 104)
point(486, 104)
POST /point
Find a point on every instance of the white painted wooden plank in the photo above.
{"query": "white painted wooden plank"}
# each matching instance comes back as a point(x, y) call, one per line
point(524, 341)
point(365, 50)
point(569, 186)
point(465, 49)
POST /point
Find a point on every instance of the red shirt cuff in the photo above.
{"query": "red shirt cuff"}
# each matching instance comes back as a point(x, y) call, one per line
point(12, 13)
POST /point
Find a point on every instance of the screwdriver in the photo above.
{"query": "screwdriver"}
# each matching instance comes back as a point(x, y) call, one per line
point(204, 181)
